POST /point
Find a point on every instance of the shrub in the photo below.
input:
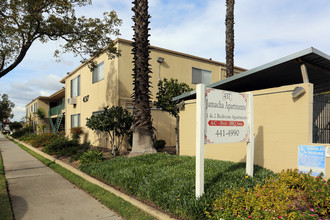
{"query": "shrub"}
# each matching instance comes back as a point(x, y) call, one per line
point(159, 144)
point(62, 147)
point(291, 195)
point(76, 132)
point(15, 126)
point(116, 122)
point(44, 139)
point(20, 132)
point(92, 156)
point(27, 137)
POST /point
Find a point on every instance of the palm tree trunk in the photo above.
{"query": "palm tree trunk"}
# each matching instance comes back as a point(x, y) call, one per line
point(230, 38)
point(142, 125)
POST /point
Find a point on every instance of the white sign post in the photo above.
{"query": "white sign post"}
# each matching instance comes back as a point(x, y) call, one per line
point(200, 124)
point(250, 143)
point(222, 117)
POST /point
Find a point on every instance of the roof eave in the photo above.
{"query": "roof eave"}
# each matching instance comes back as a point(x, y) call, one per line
point(192, 95)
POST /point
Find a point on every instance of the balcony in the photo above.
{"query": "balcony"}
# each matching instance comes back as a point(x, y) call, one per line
point(56, 110)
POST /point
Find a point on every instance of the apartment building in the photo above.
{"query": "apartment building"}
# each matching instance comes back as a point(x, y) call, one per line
point(54, 108)
point(110, 84)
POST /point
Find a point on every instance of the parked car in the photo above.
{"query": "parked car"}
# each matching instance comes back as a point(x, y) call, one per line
point(6, 130)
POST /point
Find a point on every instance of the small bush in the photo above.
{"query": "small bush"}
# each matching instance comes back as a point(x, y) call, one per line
point(15, 126)
point(91, 156)
point(76, 132)
point(28, 137)
point(20, 132)
point(291, 195)
point(159, 144)
point(44, 139)
point(62, 147)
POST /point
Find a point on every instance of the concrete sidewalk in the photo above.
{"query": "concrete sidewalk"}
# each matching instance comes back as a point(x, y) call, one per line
point(37, 192)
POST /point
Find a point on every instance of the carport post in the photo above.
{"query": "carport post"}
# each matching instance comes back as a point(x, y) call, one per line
point(304, 73)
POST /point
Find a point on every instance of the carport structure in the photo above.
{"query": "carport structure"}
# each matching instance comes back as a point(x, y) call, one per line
point(307, 66)
point(283, 121)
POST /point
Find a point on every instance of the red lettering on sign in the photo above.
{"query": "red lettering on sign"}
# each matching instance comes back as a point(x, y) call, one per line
point(226, 123)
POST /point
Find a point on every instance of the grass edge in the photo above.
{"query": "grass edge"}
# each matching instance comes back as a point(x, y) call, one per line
point(111, 201)
point(5, 203)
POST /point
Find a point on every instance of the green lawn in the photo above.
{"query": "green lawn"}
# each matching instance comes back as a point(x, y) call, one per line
point(168, 181)
point(5, 208)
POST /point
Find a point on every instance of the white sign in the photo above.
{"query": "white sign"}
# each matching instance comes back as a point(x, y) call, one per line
point(226, 117)
point(311, 158)
point(229, 117)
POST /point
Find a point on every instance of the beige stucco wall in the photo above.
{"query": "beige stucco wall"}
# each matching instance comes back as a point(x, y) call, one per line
point(100, 94)
point(175, 66)
point(281, 124)
point(178, 66)
point(117, 87)
point(32, 116)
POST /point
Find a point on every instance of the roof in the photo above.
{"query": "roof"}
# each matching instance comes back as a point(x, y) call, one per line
point(38, 98)
point(58, 95)
point(281, 72)
point(120, 40)
point(55, 96)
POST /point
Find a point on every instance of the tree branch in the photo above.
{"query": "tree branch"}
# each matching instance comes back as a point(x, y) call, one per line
point(17, 61)
point(3, 62)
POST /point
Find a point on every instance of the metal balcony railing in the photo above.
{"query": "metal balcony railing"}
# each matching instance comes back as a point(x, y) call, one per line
point(57, 109)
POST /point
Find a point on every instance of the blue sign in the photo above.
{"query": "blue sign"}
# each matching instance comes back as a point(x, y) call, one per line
point(311, 158)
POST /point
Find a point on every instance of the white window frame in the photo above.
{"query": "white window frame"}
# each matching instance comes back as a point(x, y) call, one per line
point(75, 117)
point(201, 76)
point(98, 73)
point(75, 87)
point(35, 107)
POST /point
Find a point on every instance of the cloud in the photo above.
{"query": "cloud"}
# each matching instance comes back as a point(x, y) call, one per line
point(47, 82)
point(264, 31)
point(19, 113)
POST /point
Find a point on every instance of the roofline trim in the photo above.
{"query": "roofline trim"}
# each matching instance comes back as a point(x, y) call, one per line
point(39, 97)
point(120, 40)
point(257, 69)
point(56, 93)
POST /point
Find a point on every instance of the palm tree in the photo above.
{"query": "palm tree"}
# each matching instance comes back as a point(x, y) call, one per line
point(142, 125)
point(230, 38)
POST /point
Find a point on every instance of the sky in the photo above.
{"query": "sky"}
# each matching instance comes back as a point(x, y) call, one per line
point(264, 31)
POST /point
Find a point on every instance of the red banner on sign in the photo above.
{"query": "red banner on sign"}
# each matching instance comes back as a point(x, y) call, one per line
point(226, 123)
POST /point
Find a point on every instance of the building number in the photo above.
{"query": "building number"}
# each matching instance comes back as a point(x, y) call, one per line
point(85, 99)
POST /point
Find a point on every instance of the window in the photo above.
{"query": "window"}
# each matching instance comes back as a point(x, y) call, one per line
point(75, 87)
point(35, 107)
point(31, 108)
point(97, 112)
point(35, 127)
point(201, 76)
point(98, 73)
point(75, 120)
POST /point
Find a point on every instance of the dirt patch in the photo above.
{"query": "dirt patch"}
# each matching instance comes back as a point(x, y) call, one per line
point(170, 150)
point(66, 160)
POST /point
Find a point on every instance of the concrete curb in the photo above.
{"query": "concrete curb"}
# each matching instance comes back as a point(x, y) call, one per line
point(150, 210)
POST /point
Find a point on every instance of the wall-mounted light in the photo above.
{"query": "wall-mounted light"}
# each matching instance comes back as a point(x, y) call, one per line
point(298, 91)
point(160, 59)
